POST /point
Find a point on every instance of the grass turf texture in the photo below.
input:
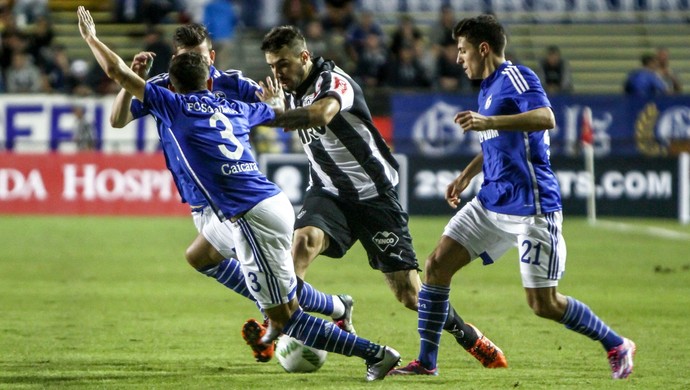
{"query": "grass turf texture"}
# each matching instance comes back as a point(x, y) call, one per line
point(111, 303)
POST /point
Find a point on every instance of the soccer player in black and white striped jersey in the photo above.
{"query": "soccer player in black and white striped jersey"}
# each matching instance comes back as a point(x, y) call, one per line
point(351, 194)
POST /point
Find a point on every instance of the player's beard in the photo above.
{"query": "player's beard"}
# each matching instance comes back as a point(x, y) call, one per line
point(294, 82)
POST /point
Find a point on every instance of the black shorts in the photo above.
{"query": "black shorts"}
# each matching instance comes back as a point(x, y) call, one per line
point(380, 224)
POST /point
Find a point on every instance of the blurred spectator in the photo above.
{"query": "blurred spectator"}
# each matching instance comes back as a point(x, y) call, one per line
point(338, 16)
point(646, 82)
point(192, 11)
point(129, 11)
point(143, 11)
point(405, 70)
point(158, 11)
point(13, 41)
point(450, 76)
point(220, 20)
point(357, 35)
point(155, 42)
point(23, 76)
point(57, 69)
point(83, 129)
point(554, 72)
point(29, 11)
point(441, 33)
point(670, 77)
point(318, 43)
point(407, 34)
point(77, 80)
point(298, 12)
point(371, 63)
point(39, 40)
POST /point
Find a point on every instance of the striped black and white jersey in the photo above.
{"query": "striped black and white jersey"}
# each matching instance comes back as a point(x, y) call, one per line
point(348, 157)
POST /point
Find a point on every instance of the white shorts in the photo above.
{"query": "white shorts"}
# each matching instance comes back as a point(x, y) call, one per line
point(263, 241)
point(217, 233)
point(488, 235)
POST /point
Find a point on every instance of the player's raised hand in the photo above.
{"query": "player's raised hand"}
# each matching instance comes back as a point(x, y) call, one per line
point(87, 27)
point(271, 93)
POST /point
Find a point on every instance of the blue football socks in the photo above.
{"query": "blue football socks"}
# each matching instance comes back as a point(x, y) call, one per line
point(321, 334)
point(432, 313)
point(580, 318)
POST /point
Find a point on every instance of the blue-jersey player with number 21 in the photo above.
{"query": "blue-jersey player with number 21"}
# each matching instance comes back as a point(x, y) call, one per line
point(212, 138)
point(519, 203)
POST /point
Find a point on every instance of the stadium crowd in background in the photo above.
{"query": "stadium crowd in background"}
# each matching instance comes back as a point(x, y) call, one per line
point(406, 56)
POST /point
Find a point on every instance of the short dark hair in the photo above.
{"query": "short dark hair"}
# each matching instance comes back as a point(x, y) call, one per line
point(189, 72)
point(482, 28)
point(191, 35)
point(647, 59)
point(282, 36)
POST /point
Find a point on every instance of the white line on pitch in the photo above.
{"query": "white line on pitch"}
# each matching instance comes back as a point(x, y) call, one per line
point(653, 231)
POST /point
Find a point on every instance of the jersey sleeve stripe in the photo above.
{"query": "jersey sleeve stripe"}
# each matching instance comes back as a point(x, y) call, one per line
point(516, 79)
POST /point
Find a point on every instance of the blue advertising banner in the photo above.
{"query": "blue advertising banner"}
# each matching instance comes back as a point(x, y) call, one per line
point(636, 187)
point(423, 125)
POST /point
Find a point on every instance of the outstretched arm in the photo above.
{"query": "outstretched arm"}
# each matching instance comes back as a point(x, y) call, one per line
point(111, 63)
point(120, 114)
point(320, 113)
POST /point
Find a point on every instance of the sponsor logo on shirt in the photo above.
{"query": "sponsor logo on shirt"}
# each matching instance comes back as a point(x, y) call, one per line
point(383, 240)
point(231, 169)
point(487, 104)
point(487, 134)
point(308, 135)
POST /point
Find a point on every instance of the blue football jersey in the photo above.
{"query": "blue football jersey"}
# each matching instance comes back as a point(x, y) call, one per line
point(518, 179)
point(211, 137)
point(230, 85)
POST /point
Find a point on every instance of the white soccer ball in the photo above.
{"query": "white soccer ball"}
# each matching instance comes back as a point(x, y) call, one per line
point(294, 356)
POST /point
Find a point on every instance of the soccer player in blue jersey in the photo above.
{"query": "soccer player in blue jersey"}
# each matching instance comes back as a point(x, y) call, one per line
point(211, 135)
point(519, 202)
point(351, 195)
point(212, 251)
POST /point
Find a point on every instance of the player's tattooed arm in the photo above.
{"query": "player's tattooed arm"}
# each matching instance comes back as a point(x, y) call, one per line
point(320, 113)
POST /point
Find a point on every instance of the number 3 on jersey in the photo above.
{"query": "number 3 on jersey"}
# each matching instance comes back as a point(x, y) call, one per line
point(228, 135)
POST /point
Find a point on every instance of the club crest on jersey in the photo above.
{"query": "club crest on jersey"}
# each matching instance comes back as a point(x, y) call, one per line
point(308, 135)
point(339, 85)
point(487, 104)
point(219, 94)
point(383, 240)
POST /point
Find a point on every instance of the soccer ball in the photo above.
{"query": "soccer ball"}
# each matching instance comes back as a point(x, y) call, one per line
point(294, 356)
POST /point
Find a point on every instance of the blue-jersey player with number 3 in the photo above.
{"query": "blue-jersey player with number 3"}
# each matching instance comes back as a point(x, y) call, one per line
point(212, 251)
point(519, 203)
point(212, 139)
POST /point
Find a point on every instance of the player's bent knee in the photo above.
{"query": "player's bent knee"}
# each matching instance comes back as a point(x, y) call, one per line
point(435, 273)
point(309, 240)
point(408, 298)
point(545, 309)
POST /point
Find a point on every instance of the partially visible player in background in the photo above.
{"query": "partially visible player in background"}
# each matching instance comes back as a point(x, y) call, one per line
point(519, 203)
point(351, 195)
point(211, 135)
point(212, 251)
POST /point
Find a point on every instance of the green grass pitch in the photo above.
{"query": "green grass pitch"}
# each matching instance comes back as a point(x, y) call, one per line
point(90, 302)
